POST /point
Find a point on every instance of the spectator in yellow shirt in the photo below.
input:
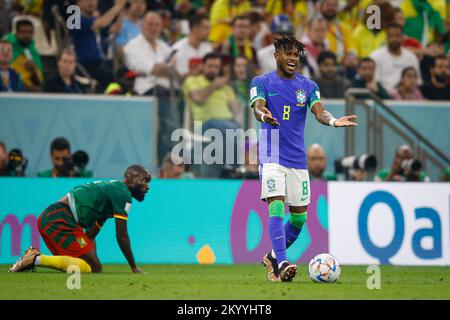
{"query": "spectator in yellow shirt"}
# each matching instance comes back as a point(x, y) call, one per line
point(208, 96)
point(212, 100)
point(222, 13)
point(299, 12)
point(338, 33)
point(366, 40)
point(353, 12)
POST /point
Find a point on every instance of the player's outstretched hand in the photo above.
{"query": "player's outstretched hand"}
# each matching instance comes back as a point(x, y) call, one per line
point(268, 118)
point(346, 121)
point(138, 270)
point(271, 120)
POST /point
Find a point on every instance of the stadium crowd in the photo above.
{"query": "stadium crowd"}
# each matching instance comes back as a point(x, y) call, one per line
point(197, 57)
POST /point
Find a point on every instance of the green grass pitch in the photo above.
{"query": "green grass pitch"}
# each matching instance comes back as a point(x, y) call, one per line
point(224, 282)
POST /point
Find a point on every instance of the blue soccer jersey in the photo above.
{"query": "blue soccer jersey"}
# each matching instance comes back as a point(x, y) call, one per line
point(288, 100)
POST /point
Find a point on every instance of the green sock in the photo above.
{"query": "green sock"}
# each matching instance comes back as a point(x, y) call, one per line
point(293, 227)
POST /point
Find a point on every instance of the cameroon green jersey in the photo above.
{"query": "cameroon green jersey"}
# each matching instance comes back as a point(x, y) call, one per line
point(94, 202)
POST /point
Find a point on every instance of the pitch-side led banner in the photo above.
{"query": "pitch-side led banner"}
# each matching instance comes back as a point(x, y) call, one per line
point(180, 221)
point(389, 223)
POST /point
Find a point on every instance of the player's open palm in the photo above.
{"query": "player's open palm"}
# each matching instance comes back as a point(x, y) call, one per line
point(346, 121)
point(268, 117)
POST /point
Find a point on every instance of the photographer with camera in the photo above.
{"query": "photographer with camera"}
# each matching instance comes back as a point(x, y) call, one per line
point(17, 163)
point(355, 168)
point(64, 163)
point(12, 164)
point(404, 167)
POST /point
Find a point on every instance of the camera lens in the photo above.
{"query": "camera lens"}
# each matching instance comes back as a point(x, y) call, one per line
point(80, 159)
point(366, 162)
point(411, 165)
point(15, 158)
point(416, 165)
point(370, 163)
point(67, 167)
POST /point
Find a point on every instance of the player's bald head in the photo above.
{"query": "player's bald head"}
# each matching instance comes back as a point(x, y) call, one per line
point(136, 171)
point(316, 149)
point(137, 178)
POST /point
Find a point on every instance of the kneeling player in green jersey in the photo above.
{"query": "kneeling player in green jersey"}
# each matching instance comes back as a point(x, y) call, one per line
point(69, 226)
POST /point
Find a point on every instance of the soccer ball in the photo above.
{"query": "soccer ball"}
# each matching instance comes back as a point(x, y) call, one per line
point(324, 268)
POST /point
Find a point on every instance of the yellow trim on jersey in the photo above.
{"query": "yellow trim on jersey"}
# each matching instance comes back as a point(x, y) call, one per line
point(120, 216)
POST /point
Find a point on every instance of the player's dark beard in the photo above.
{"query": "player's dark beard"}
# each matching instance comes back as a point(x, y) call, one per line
point(137, 193)
point(283, 68)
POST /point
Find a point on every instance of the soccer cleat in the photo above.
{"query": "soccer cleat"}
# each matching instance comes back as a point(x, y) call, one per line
point(287, 271)
point(26, 262)
point(272, 268)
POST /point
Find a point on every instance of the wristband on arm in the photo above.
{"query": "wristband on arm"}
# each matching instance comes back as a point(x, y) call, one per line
point(332, 121)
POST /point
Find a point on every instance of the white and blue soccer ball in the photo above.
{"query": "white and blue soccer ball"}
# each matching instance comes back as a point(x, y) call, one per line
point(324, 268)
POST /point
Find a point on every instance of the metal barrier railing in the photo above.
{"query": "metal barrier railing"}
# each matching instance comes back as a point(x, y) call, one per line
point(385, 117)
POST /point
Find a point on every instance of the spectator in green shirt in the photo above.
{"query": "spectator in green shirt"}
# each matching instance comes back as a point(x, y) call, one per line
point(422, 20)
point(26, 60)
point(240, 82)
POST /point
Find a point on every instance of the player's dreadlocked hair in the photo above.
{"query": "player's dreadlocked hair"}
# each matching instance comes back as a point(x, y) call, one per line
point(285, 42)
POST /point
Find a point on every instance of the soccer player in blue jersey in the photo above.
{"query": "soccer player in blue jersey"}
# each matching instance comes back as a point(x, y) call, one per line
point(280, 100)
